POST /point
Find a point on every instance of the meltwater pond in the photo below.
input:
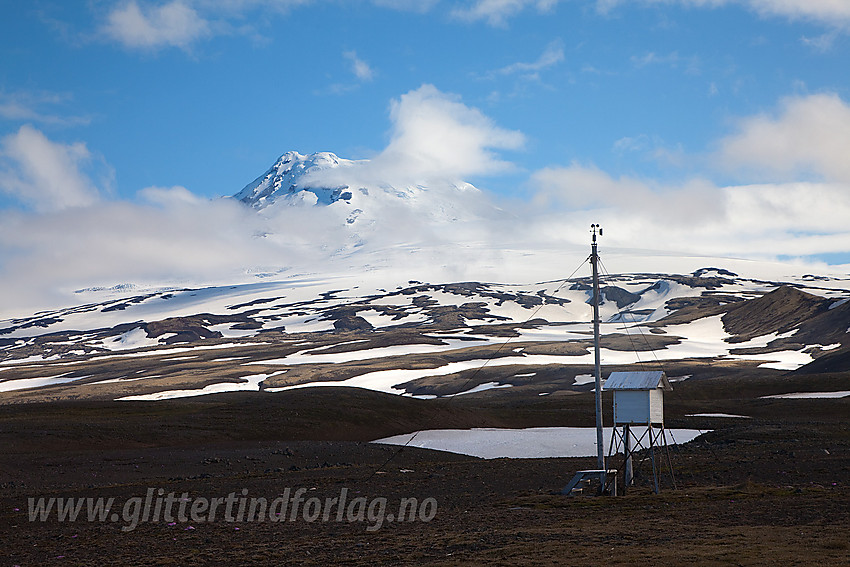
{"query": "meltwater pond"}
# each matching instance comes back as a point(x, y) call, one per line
point(530, 443)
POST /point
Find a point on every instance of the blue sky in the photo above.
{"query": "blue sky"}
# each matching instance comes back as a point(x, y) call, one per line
point(621, 110)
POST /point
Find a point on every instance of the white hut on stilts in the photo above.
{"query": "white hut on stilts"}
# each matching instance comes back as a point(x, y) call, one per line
point(639, 421)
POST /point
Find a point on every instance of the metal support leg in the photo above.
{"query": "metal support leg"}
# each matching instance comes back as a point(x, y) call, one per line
point(628, 475)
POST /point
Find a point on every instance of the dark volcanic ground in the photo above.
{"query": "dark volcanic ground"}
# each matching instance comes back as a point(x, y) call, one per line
point(771, 490)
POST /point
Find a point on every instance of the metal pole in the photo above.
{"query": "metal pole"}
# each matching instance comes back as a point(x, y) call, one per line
point(594, 260)
point(667, 451)
point(652, 457)
point(628, 475)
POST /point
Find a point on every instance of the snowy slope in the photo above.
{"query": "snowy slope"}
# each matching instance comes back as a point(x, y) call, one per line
point(411, 335)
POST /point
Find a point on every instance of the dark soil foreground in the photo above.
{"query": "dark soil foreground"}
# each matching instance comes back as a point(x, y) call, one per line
point(771, 490)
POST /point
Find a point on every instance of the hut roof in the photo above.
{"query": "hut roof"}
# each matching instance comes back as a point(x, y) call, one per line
point(637, 381)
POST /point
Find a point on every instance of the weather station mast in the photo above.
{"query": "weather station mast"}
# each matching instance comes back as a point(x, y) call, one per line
point(597, 359)
point(601, 472)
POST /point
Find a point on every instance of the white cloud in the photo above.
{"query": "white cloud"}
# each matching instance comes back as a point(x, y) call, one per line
point(695, 217)
point(822, 43)
point(435, 136)
point(809, 135)
point(833, 13)
point(789, 216)
point(497, 12)
point(786, 217)
point(673, 60)
point(30, 106)
point(435, 133)
point(551, 56)
point(826, 11)
point(360, 68)
point(147, 26)
point(793, 209)
point(241, 6)
point(420, 6)
point(584, 188)
point(156, 24)
point(47, 176)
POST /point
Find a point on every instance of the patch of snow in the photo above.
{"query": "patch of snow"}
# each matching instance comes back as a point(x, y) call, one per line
point(704, 337)
point(301, 324)
point(575, 331)
point(29, 359)
point(167, 351)
point(481, 388)
point(656, 296)
point(306, 356)
point(379, 320)
point(584, 379)
point(782, 360)
point(24, 383)
point(122, 379)
point(133, 339)
point(251, 383)
point(810, 395)
point(530, 443)
point(326, 347)
point(763, 340)
point(228, 332)
point(717, 415)
point(387, 380)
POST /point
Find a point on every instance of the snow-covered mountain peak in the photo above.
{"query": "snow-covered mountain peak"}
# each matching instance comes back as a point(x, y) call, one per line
point(286, 180)
point(358, 192)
